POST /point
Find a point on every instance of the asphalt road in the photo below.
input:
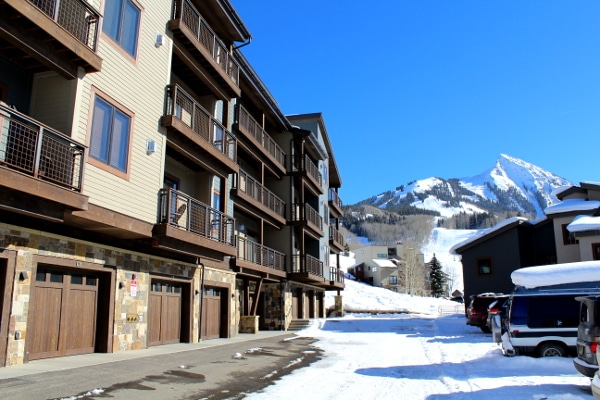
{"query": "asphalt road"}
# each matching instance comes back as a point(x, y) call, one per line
point(227, 371)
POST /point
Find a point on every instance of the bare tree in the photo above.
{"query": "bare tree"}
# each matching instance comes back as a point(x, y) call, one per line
point(414, 270)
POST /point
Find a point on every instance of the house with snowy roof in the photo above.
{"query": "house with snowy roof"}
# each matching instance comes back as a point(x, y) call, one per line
point(379, 266)
point(490, 257)
point(569, 233)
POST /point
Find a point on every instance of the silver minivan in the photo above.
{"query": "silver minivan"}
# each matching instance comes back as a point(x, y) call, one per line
point(588, 335)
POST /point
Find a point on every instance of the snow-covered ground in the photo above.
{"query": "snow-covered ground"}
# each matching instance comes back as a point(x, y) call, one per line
point(423, 355)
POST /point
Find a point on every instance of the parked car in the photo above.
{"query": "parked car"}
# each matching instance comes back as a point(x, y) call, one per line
point(588, 335)
point(544, 321)
point(497, 311)
point(477, 311)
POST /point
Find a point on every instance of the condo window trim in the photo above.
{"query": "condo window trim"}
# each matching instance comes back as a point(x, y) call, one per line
point(121, 24)
point(110, 136)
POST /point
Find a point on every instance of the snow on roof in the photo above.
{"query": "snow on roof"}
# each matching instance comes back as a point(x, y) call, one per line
point(556, 274)
point(583, 223)
point(384, 263)
point(485, 232)
point(560, 189)
point(573, 205)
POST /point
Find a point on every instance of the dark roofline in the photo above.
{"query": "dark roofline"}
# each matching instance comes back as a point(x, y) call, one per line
point(492, 234)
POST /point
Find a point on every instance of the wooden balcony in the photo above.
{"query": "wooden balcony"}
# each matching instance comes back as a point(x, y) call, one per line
point(305, 215)
point(203, 53)
point(259, 198)
point(38, 161)
point(183, 219)
point(197, 136)
point(257, 260)
point(335, 280)
point(308, 269)
point(335, 204)
point(304, 166)
point(336, 240)
point(57, 35)
point(254, 132)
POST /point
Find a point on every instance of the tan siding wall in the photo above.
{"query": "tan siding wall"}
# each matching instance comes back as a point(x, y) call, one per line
point(140, 87)
point(568, 253)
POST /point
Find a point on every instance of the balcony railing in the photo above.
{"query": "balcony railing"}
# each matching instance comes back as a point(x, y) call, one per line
point(336, 275)
point(307, 213)
point(258, 192)
point(36, 150)
point(307, 264)
point(191, 113)
point(336, 236)
point(256, 253)
point(307, 165)
point(191, 18)
point(260, 135)
point(75, 16)
point(185, 212)
point(335, 198)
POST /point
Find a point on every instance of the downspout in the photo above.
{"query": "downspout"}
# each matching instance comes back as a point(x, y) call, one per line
point(201, 297)
point(246, 43)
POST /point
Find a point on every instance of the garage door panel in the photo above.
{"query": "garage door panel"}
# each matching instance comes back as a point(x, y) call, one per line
point(45, 322)
point(154, 318)
point(172, 326)
point(81, 325)
point(211, 313)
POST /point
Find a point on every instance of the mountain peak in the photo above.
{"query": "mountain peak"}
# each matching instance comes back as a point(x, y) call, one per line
point(511, 184)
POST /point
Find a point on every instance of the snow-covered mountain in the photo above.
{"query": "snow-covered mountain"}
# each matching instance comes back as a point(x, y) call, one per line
point(510, 185)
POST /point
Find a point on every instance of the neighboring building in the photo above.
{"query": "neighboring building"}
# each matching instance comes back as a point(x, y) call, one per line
point(380, 266)
point(569, 233)
point(151, 190)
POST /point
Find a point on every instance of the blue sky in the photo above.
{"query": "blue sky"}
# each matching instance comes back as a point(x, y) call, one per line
point(411, 89)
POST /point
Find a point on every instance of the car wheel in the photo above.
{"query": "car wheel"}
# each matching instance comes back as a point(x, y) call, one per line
point(485, 329)
point(552, 350)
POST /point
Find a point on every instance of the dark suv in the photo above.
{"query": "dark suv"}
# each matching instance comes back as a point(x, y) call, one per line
point(477, 311)
point(588, 335)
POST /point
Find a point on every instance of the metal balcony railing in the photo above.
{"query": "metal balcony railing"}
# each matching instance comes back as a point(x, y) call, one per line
point(256, 253)
point(76, 16)
point(258, 192)
point(191, 113)
point(191, 18)
point(307, 263)
point(307, 213)
point(307, 165)
point(246, 121)
point(28, 146)
point(336, 275)
point(335, 198)
point(336, 236)
point(185, 212)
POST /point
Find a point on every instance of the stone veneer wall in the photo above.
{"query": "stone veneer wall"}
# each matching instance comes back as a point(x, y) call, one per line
point(273, 306)
point(126, 335)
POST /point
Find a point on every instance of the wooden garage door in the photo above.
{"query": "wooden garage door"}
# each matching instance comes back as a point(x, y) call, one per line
point(62, 318)
point(211, 312)
point(164, 313)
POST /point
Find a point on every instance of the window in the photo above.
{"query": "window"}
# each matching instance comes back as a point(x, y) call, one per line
point(568, 237)
point(596, 251)
point(484, 266)
point(393, 280)
point(121, 23)
point(110, 136)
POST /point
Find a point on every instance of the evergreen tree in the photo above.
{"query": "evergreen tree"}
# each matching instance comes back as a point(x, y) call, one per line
point(437, 279)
